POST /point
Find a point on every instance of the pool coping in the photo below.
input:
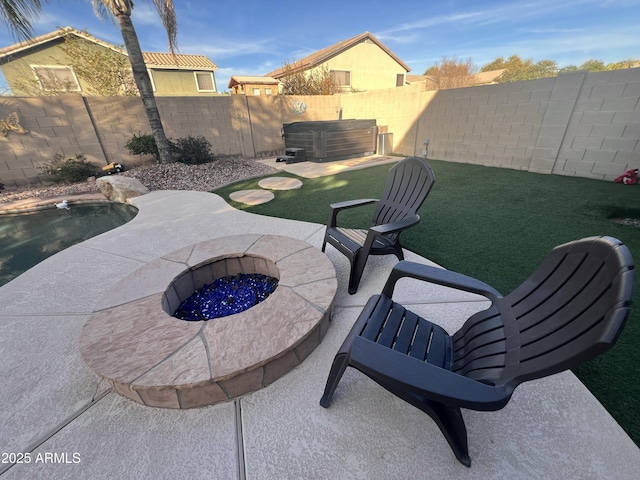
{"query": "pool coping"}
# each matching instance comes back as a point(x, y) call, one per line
point(32, 204)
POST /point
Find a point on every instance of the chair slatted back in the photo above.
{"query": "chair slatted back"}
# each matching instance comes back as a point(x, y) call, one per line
point(393, 326)
point(571, 309)
point(408, 184)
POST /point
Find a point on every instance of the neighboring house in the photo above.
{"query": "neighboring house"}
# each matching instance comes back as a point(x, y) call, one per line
point(249, 85)
point(474, 80)
point(358, 64)
point(42, 67)
point(487, 78)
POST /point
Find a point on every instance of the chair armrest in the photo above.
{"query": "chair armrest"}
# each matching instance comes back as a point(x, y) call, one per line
point(435, 383)
point(379, 230)
point(352, 203)
point(396, 226)
point(336, 208)
point(439, 276)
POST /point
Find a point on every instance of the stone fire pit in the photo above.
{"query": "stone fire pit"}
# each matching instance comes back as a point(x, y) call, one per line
point(155, 359)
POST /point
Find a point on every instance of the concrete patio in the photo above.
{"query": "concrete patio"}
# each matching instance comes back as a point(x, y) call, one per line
point(54, 407)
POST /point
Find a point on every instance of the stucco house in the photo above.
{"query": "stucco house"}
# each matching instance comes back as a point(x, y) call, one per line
point(253, 85)
point(359, 64)
point(42, 66)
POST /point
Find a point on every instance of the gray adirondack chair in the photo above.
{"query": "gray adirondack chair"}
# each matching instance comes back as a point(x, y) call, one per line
point(408, 184)
point(571, 309)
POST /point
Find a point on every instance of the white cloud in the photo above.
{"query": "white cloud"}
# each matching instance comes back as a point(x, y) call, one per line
point(403, 38)
point(426, 23)
point(505, 13)
point(550, 30)
point(145, 14)
point(217, 48)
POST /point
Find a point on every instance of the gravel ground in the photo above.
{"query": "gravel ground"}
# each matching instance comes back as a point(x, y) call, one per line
point(177, 176)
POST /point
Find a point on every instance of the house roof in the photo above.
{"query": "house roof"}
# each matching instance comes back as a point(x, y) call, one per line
point(48, 37)
point(325, 54)
point(178, 61)
point(163, 60)
point(244, 79)
point(482, 78)
point(415, 78)
point(485, 78)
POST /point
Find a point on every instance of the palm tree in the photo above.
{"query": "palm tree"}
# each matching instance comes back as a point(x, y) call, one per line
point(18, 15)
point(121, 10)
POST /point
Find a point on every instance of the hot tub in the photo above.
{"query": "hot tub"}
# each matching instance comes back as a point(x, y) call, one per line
point(326, 141)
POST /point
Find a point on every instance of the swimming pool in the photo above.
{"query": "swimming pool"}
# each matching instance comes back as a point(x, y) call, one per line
point(26, 239)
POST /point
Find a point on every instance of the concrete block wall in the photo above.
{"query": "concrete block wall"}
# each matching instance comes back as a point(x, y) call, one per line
point(115, 120)
point(99, 127)
point(269, 113)
point(495, 125)
point(221, 120)
point(583, 124)
point(118, 119)
point(577, 124)
point(54, 125)
point(563, 95)
point(399, 109)
point(602, 138)
point(236, 126)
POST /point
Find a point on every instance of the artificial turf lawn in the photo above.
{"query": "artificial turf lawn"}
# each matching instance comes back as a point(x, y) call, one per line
point(497, 225)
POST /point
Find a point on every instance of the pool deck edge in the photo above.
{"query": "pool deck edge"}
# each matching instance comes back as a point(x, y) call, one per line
point(37, 203)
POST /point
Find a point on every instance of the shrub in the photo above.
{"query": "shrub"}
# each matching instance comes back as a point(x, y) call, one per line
point(69, 170)
point(194, 150)
point(190, 150)
point(142, 144)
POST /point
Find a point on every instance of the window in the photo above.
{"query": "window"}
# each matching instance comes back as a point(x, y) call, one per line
point(153, 82)
point(399, 80)
point(341, 77)
point(55, 78)
point(204, 82)
point(267, 91)
point(256, 91)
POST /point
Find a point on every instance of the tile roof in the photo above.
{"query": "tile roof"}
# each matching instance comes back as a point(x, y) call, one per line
point(164, 60)
point(167, 60)
point(242, 79)
point(325, 54)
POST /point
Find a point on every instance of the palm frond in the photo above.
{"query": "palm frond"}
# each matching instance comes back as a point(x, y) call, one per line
point(102, 9)
point(167, 12)
point(18, 16)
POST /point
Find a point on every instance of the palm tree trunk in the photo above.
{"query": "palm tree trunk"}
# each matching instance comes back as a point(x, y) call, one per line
point(143, 82)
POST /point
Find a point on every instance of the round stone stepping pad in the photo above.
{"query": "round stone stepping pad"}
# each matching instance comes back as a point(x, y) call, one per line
point(280, 183)
point(252, 197)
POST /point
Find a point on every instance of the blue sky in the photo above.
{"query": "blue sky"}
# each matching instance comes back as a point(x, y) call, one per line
point(254, 37)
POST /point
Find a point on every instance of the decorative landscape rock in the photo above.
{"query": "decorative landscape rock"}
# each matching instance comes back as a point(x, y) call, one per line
point(119, 189)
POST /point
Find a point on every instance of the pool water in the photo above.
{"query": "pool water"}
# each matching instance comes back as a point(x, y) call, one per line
point(26, 239)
